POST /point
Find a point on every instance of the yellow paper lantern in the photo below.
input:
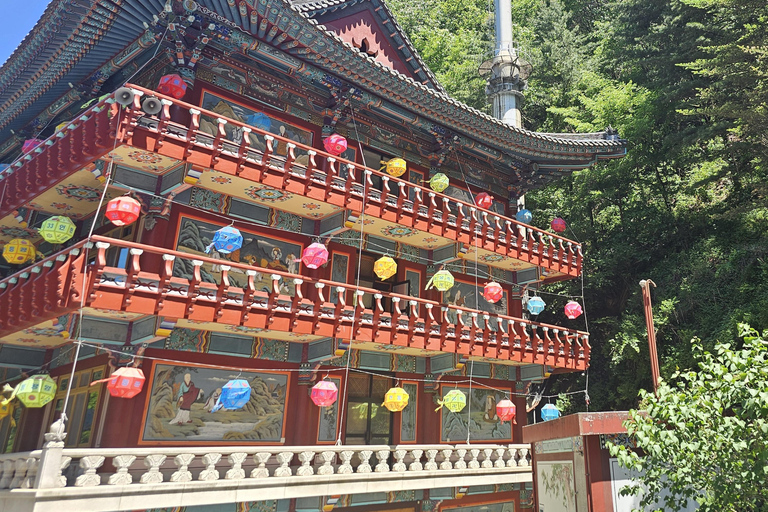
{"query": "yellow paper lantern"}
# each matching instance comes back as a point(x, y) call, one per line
point(385, 267)
point(19, 251)
point(454, 401)
point(439, 182)
point(57, 229)
point(395, 399)
point(442, 280)
point(396, 167)
point(36, 391)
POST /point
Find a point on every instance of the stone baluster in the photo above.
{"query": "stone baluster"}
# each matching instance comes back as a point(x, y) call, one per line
point(20, 467)
point(236, 472)
point(261, 459)
point(153, 474)
point(182, 461)
point(416, 465)
point(383, 465)
point(364, 456)
point(8, 470)
point(523, 461)
point(29, 478)
point(306, 459)
point(327, 467)
point(284, 458)
point(210, 473)
point(474, 464)
point(400, 466)
point(431, 465)
point(512, 461)
point(346, 466)
point(89, 464)
point(446, 464)
point(500, 458)
point(121, 475)
point(487, 455)
point(62, 480)
point(460, 462)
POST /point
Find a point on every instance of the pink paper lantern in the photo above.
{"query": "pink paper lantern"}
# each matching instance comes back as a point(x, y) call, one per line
point(314, 256)
point(123, 210)
point(558, 225)
point(335, 144)
point(506, 411)
point(324, 393)
point(573, 309)
point(493, 292)
point(172, 85)
point(484, 200)
point(30, 144)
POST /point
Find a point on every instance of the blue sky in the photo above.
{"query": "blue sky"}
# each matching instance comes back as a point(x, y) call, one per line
point(18, 20)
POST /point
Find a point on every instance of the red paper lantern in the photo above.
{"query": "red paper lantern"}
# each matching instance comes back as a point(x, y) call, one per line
point(123, 210)
point(172, 85)
point(484, 200)
point(335, 144)
point(573, 309)
point(315, 255)
point(558, 225)
point(506, 411)
point(126, 382)
point(324, 393)
point(493, 292)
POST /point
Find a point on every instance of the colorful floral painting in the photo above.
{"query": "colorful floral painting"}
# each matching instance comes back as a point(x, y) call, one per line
point(556, 486)
point(182, 399)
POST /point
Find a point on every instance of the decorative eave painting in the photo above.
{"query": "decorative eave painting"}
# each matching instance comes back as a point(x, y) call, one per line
point(182, 400)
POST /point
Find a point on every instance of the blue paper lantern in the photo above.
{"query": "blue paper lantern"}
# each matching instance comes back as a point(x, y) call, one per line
point(234, 395)
point(259, 120)
point(549, 412)
point(536, 305)
point(524, 216)
point(226, 240)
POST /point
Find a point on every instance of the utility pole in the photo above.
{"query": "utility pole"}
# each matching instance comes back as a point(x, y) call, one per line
point(645, 284)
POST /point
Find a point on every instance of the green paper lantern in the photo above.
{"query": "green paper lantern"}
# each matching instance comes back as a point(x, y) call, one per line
point(439, 182)
point(57, 229)
point(36, 391)
point(454, 401)
point(442, 280)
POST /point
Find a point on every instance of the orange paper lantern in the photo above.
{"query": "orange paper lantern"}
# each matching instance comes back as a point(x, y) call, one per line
point(123, 210)
point(126, 382)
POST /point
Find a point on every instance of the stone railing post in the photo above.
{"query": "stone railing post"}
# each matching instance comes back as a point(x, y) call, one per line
point(261, 459)
point(50, 466)
point(416, 464)
point(446, 464)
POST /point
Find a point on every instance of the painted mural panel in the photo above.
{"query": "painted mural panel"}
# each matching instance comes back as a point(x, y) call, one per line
point(408, 416)
point(507, 506)
point(470, 295)
point(195, 235)
point(556, 488)
point(480, 411)
point(181, 398)
point(327, 429)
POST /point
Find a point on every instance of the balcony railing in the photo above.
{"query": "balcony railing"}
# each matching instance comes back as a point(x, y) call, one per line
point(339, 182)
point(412, 321)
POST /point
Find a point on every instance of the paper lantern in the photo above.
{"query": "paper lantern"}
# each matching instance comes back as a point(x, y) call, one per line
point(549, 412)
point(226, 240)
point(385, 267)
point(19, 251)
point(493, 292)
point(524, 216)
point(536, 305)
point(442, 280)
point(123, 210)
point(506, 411)
point(29, 145)
point(396, 167)
point(335, 144)
point(126, 382)
point(172, 85)
point(315, 255)
point(454, 401)
point(6, 408)
point(395, 399)
point(234, 395)
point(324, 393)
point(558, 225)
point(439, 182)
point(573, 309)
point(57, 229)
point(484, 200)
point(36, 391)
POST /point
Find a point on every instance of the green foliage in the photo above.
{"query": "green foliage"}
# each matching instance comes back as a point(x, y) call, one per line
point(704, 437)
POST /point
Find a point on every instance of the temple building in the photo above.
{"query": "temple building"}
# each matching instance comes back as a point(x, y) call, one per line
point(216, 214)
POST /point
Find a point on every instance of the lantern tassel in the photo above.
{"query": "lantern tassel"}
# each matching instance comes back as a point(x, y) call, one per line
point(441, 403)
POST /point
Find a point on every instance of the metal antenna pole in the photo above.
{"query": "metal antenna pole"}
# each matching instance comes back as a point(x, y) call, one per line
point(645, 285)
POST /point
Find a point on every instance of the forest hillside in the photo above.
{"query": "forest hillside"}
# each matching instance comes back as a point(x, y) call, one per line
point(686, 83)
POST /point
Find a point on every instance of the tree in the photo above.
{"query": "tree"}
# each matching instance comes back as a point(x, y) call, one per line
point(704, 437)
